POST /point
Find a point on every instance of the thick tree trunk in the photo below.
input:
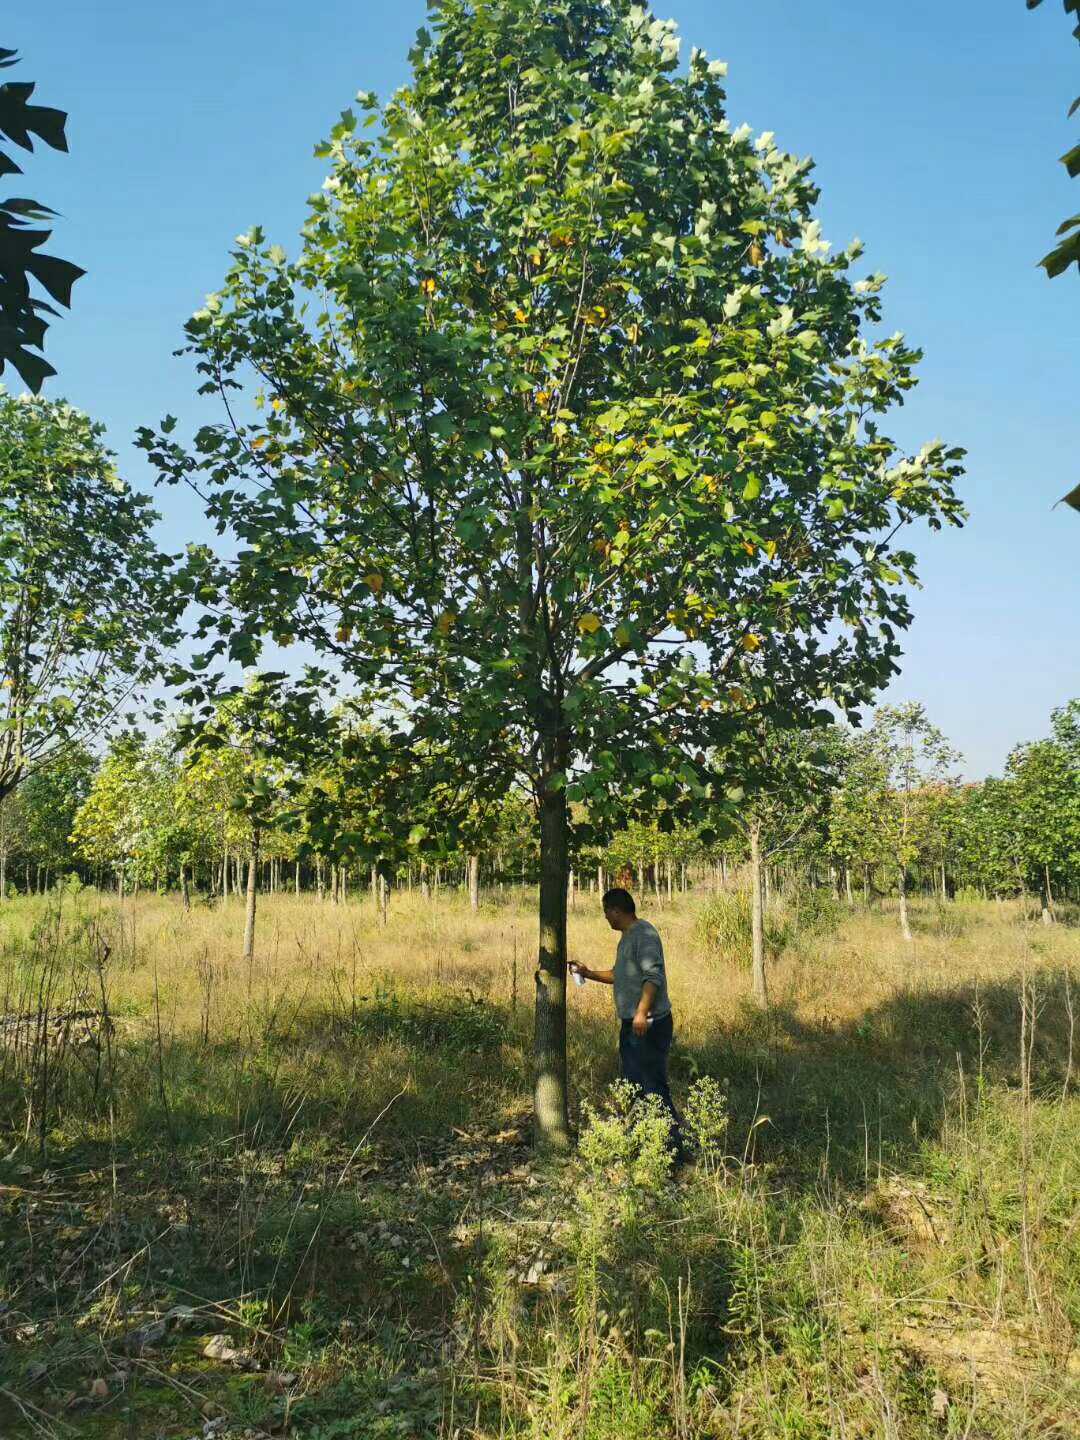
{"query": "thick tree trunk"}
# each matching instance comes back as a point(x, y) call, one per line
point(550, 1117)
point(905, 926)
point(252, 891)
point(474, 881)
point(757, 920)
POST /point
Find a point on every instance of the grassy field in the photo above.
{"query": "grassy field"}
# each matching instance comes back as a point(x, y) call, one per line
point(298, 1197)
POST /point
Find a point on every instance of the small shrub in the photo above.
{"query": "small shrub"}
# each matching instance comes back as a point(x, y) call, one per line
point(705, 1119)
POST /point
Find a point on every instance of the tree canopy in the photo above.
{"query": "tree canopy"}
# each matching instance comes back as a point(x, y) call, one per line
point(86, 600)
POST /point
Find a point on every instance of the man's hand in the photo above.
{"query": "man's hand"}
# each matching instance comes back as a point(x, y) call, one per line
point(640, 1024)
point(576, 968)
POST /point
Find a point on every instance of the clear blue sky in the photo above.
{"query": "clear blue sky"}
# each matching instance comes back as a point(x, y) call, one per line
point(936, 128)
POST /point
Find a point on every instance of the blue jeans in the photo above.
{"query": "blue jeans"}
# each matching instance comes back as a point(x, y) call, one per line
point(644, 1063)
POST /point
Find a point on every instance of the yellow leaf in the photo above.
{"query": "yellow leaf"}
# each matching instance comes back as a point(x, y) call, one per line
point(543, 396)
point(343, 634)
point(277, 405)
point(445, 622)
point(589, 624)
point(428, 287)
point(748, 547)
point(757, 254)
point(374, 582)
point(622, 635)
point(535, 257)
point(633, 334)
point(520, 316)
point(750, 643)
point(258, 442)
point(770, 549)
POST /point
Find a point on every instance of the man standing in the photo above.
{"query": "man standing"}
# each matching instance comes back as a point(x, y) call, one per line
point(639, 979)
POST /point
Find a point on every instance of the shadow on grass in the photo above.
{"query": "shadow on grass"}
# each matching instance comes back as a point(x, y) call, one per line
point(845, 1098)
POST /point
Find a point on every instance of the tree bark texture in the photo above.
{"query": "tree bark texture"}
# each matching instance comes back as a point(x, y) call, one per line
point(757, 920)
point(550, 1114)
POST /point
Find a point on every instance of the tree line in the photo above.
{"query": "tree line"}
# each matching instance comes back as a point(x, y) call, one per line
point(871, 812)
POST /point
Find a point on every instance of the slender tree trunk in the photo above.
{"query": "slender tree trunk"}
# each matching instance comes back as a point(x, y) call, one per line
point(298, 877)
point(599, 879)
point(320, 888)
point(252, 890)
point(905, 927)
point(384, 900)
point(669, 868)
point(757, 919)
point(425, 887)
point(847, 887)
point(184, 890)
point(3, 875)
point(474, 881)
point(550, 1116)
point(1048, 916)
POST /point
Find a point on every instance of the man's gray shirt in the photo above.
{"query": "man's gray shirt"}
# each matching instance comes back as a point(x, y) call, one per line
point(640, 957)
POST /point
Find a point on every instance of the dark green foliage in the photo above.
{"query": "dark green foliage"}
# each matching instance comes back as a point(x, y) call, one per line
point(22, 264)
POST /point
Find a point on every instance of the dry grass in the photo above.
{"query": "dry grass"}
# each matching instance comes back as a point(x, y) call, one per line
point(324, 1154)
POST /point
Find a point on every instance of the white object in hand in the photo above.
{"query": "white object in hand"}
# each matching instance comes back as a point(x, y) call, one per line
point(579, 979)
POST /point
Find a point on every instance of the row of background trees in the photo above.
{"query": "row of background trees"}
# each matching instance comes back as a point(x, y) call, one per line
point(870, 812)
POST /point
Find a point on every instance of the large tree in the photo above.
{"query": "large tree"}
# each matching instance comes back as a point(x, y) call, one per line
point(86, 605)
point(22, 264)
point(569, 426)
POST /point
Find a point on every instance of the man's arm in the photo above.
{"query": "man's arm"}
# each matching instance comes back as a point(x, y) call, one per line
point(605, 977)
point(649, 992)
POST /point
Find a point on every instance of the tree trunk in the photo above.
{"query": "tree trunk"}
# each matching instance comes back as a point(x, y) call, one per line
point(252, 889)
point(184, 890)
point(1048, 916)
point(384, 899)
point(847, 887)
point(298, 877)
point(905, 927)
point(474, 881)
point(599, 879)
point(550, 1118)
point(425, 888)
point(757, 920)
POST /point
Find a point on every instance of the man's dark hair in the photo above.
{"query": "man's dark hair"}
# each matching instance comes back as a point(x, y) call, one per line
point(619, 900)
